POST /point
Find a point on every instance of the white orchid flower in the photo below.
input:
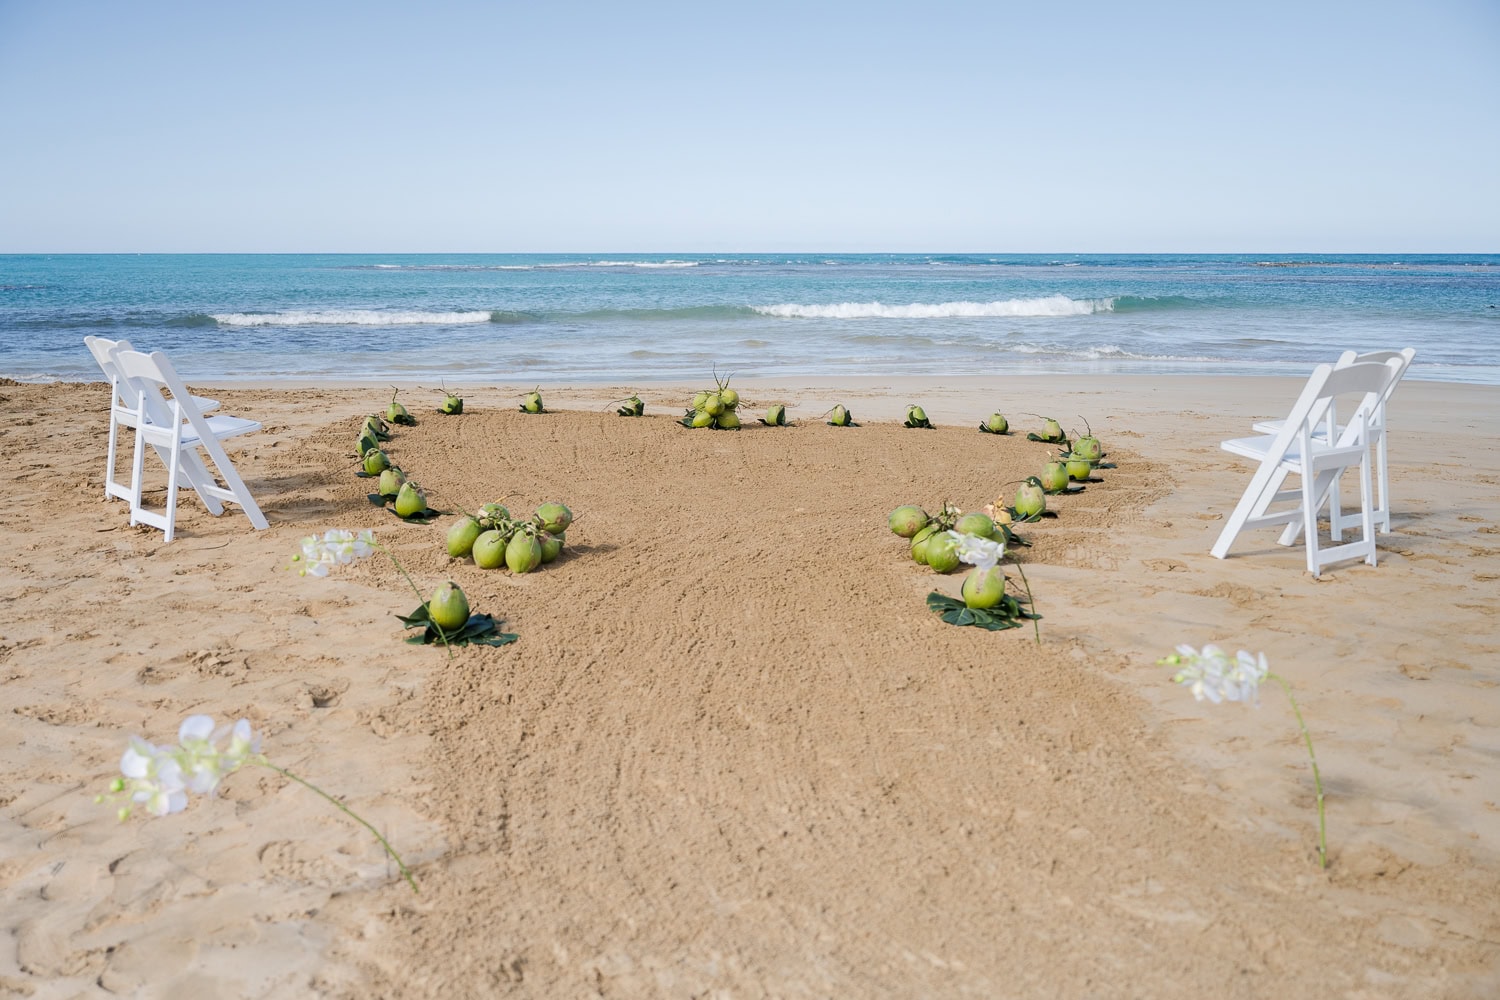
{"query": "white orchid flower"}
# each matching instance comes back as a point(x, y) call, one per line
point(983, 553)
point(243, 744)
point(1214, 676)
point(365, 544)
point(337, 547)
point(200, 757)
point(153, 778)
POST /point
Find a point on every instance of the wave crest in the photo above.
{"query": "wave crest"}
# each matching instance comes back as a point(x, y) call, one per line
point(351, 317)
point(1051, 305)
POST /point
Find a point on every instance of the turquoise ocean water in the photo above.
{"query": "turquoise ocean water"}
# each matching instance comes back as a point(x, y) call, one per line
point(623, 318)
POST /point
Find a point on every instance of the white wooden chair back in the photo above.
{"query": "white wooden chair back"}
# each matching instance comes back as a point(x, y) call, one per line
point(166, 417)
point(1381, 472)
point(122, 414)
point(1302, 447)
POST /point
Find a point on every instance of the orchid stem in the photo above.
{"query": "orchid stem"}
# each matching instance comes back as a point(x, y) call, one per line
point(405, 871)
point(1313, 759)
point(1032, 602)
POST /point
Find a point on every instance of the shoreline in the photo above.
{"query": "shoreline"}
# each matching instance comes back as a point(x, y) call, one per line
point(1293, 370)
point(961, 390)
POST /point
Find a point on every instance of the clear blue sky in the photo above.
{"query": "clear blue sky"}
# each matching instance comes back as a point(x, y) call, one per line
point(141, 125)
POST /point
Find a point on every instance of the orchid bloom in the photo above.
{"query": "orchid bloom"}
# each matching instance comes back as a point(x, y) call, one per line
point(336, 548)
point(1215, 676)
point(202, 760)
point(160, 777)
point(984, 553)
point(153, 779)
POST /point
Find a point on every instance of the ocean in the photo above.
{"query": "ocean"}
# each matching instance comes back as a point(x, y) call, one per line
point(623, 318)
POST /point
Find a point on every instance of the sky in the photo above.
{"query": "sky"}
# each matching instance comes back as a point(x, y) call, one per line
point(447, 126)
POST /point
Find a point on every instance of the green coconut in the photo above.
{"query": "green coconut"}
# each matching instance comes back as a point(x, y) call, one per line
point(376, 462)
point(448, 608)
point(1030, 501)
point(983, 588)
point(553, 517)
point(1054, 477)
point(391, 481)
point(907, 521)
point(410, 500)
point(523, 553)
point(942, 552)
point(919, 542)
point(489, 549)
point(552, 545)
point(976, 524)
point(462, 535)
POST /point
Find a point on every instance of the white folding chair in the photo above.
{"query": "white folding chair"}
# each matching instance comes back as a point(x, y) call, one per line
point(1299, 449)
point(169, 422)
point(1382, 512)
point(122, 414)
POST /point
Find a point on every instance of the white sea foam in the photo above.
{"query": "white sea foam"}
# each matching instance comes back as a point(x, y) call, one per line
point(350, 317)
point(1051, 305)
point(572, 264)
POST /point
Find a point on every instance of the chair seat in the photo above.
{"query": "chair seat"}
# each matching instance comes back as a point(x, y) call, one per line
point(1260, 446)
point(219, 426)
point(1275, 426)
point(126, 417)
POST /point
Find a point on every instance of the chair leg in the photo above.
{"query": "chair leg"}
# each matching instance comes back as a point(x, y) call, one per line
point(1335, 513)
point(1263, 485)
point(1310, 523)
point(1367, 519)
point(137, 474)
point(173, 465)
point(201, 480)
point(1383, 474)
point(109, 463)
point(236, 485)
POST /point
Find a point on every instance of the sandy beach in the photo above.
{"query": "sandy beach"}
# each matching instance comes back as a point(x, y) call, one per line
point(733, 754)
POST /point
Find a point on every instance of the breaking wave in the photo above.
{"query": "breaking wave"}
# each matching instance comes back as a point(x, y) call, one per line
point(1051, 305)
point(354, 317)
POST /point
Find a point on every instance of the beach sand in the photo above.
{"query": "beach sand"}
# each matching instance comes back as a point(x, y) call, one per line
point(733, 754)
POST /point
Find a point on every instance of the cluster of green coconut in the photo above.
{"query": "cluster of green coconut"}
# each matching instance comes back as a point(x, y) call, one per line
point(933, 544)
point(492, 538)
point(405, 496)
point(1076, 462)
point(715, 408)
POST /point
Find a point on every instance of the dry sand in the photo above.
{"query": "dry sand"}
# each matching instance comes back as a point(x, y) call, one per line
point(733, 754)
